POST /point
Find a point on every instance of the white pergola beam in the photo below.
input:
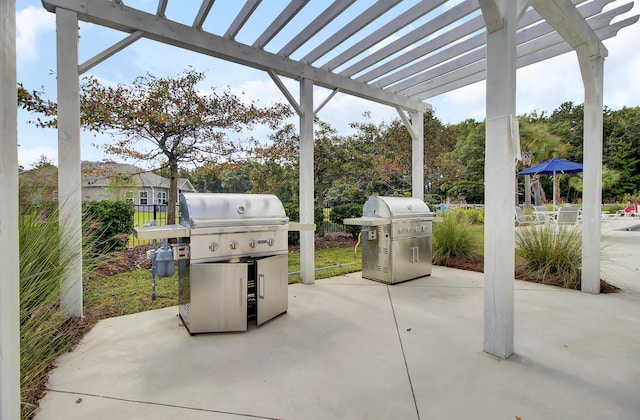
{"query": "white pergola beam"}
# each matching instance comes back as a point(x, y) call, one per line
point(326, 101)
point(492, 16)
point(424, 50)
point(362, 20)
point(9, 242)
point(467, 76)
point(115, 48)
point(324, 18)
point(287, 94)
point(307, 195)
point(162, 8)
point(69, 174)
point(280, 22)
point(499, 231)
point(565, 18)
point(183, 36)
point(203, 12)
point(457, 58)
point(437, 23)
point(242, 18)
point(417, 11)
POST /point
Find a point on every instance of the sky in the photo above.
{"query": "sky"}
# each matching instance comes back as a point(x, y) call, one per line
point(541, 87)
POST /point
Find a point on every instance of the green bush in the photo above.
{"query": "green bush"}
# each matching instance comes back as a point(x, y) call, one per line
point(452, 238)
point(113, 223)
point(346, 211)
point(551, 256)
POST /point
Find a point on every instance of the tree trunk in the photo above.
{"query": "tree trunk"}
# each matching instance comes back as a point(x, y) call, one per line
point(527, 191)
point(173, 192)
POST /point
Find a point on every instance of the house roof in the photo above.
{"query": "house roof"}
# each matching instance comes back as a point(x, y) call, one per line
point(101, 174)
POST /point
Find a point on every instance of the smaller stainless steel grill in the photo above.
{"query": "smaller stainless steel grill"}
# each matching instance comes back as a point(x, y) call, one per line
point(232, 259)
point(396, 238)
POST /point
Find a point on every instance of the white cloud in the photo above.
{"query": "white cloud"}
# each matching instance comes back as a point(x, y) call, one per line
point(28, 157)
point(31, 22)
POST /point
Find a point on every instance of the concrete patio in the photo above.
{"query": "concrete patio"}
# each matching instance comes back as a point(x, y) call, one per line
point(356, 349)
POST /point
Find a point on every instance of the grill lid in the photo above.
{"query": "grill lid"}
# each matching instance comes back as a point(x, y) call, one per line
point(395, 207)
point(205, 210)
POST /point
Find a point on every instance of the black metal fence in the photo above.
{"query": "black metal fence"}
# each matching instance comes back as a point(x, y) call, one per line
point(145, 213)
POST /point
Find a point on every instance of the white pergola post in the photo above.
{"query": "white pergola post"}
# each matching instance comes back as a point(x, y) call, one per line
point(592, 75)
point(9, 243)
point(499, 231)
point(415, 125)
point(69, 175)
point(307, 245)
point(417, 155)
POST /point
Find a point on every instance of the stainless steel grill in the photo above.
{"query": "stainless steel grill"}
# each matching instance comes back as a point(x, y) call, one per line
point(232, 259)
point(396, 238)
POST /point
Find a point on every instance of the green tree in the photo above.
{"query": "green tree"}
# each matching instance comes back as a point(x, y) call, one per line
point(165, 120)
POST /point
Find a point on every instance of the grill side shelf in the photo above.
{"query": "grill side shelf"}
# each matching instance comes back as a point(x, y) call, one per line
point(161, 232)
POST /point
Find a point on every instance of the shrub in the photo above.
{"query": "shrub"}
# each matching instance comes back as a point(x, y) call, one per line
point(551, 257)
point(452, 238)
point(346, 211)
point(293, 213)
point(113, 223)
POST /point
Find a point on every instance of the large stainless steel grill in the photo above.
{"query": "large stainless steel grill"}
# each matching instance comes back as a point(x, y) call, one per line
point(232, 259)
point(396, 238)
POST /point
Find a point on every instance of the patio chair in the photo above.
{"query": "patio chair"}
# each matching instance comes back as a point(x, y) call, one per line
point(632, 210)
point(523, 219)
point(568, 216)
point(542, 214)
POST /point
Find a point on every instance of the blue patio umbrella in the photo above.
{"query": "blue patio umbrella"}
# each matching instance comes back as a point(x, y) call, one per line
point(551, 167)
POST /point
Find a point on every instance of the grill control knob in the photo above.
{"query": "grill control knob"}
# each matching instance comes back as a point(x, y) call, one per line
point(252, 243)
point(270, 241)
point(213, 246)
point(233, 244)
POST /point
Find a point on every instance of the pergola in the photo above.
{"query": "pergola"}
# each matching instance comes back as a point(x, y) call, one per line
point(453, 44)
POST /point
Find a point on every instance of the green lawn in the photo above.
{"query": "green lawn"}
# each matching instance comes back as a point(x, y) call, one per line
point(130, 292)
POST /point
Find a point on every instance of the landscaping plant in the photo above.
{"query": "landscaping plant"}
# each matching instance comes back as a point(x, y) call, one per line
point(453, 239)
point(551, 256)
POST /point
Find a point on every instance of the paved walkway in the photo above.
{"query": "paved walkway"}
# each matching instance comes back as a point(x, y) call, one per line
point(350, 348)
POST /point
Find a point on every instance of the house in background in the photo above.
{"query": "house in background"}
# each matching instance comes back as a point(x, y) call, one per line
point(121, 181)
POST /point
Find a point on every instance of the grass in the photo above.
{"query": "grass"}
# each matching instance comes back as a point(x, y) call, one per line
point(550, 256)
point(44, 331)
point(130, 292)
point(453, 238)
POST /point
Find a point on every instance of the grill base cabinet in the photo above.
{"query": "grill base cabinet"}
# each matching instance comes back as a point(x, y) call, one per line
point(224, 296)
point(396, 239)
point(232, 260)
point(394, 260)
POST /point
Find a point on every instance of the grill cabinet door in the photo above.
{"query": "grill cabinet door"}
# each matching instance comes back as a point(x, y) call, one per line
point(218, 297)
point(273, 287)
point(411, 258)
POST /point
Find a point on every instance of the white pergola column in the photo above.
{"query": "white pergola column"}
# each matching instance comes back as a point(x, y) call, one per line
point(592, 75)
point(499, 231)
point(307, 245)
point(415, 125)
point(9, 243)
point(69, 174)
point(417, 155)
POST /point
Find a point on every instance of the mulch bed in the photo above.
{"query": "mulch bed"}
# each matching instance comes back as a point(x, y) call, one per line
point(135, 259)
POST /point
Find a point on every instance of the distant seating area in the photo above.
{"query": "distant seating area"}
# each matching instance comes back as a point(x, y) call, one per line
point(563, 216)
point(632, 210)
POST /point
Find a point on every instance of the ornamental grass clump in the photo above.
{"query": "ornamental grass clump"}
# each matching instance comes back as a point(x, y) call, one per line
point(453, 239)
point(45, 333)
point(551, 256)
